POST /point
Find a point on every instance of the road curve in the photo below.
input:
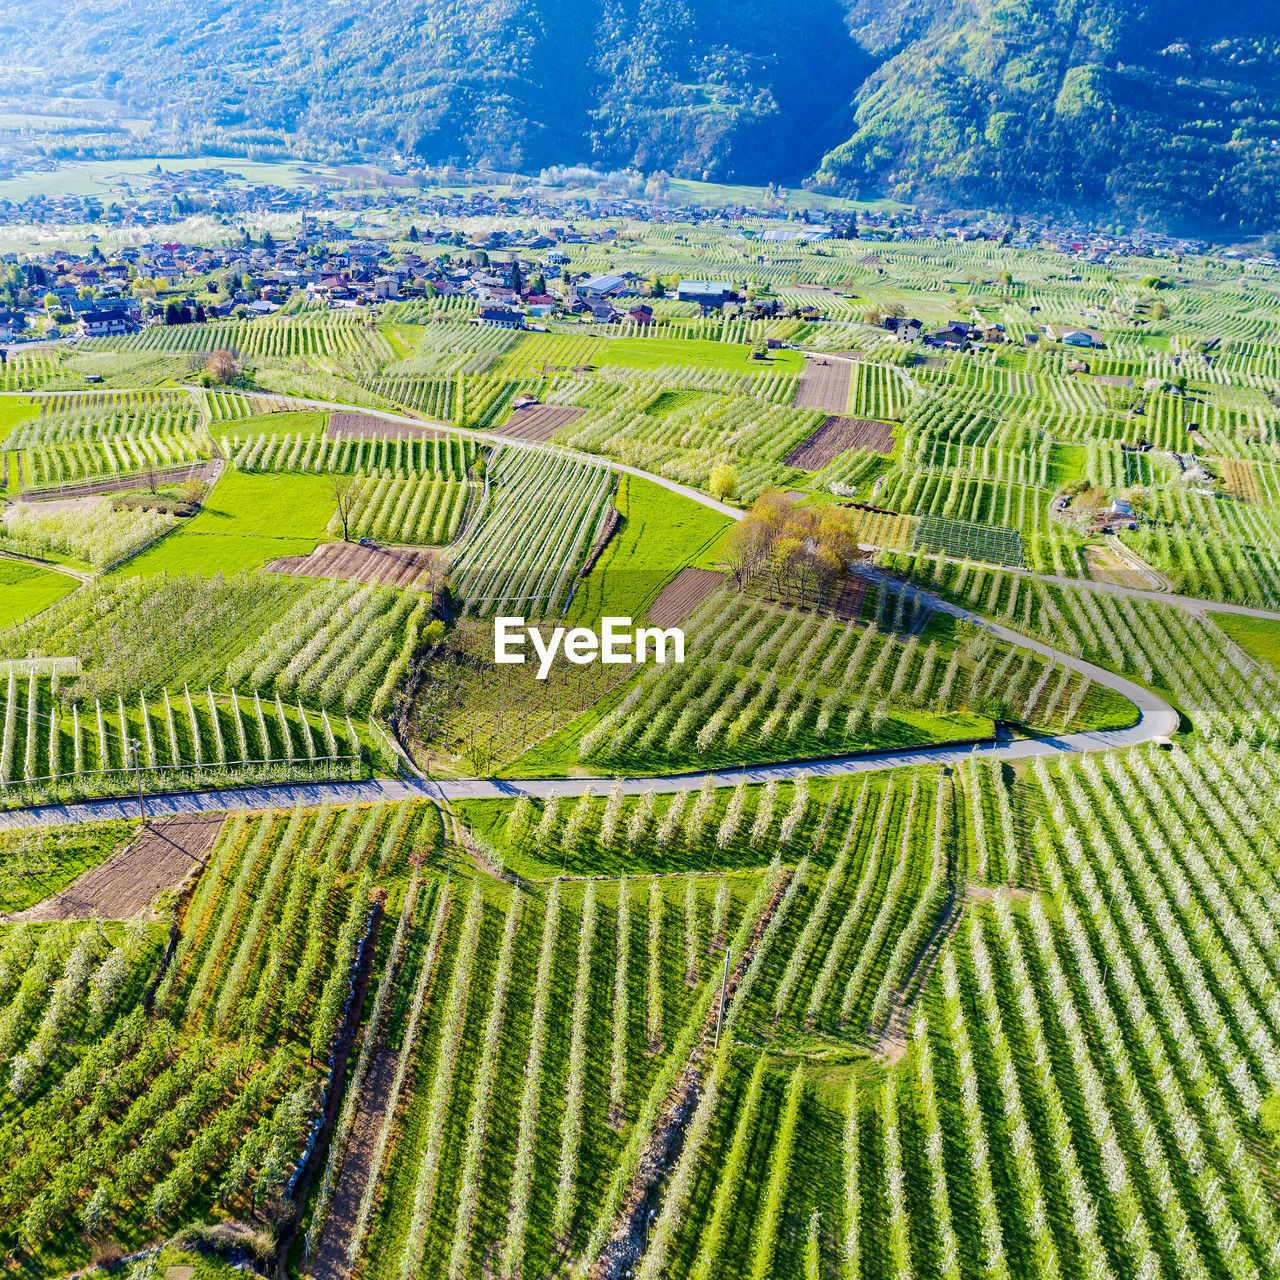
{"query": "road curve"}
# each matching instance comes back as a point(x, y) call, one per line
point(1156, 718)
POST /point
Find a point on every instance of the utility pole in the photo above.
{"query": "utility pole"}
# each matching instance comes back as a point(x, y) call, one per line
point(724, 986)
point(142, 804)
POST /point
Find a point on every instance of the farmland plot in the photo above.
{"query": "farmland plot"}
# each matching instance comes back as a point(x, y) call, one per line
point(834, 437)
point(521, 548)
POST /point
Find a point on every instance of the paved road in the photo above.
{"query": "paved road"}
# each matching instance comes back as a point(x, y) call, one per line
point(1155, 719)
point(540, 446)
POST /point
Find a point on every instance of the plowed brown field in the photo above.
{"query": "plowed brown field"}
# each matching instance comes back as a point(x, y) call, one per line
point(396, 566)
point(158, 858)
point(682, 595)
point(835, 436)
point(538, 421)
point(824, 384)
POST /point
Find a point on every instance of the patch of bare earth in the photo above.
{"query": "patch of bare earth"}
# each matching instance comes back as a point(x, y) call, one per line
point(837, 434)
point(395, 566)
point(682, 595)
point(1106, 566)
point(824, 384)
point(57, 507)
point(1240, 479)
point(159, 857)
point(330, 1261)
point(347, 425)
point(538, 421)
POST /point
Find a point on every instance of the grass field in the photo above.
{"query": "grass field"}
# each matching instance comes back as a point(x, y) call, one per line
point(1259, 637)
point(37, 863)
point(279, 505)
point(26, 589)
point(294, 422)
point(652, 353)
point(660, 534)
point(13, 409)
point(247, 520)
point(210, 553)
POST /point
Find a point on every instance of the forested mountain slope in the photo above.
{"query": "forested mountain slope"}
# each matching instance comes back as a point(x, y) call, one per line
point(1166, 110)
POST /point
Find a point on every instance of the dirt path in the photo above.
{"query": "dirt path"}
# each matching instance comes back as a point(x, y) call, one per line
point(158, 858)
point(330, 1262)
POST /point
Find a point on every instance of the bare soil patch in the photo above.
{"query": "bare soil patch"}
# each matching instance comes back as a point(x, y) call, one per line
point(158, 858)
point(824, 384)
point(1240, 479)
point(1106, 566)
point(846, 604)
point(32, 506)
point(395, 566)
point(837, 434)
point(347, 425)
point(1112, 380)
point(682, 595)
point(538, 421)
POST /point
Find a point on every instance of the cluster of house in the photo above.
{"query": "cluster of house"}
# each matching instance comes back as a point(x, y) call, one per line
point(961, 334)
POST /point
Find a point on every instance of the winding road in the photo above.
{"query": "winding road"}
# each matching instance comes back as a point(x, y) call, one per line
point(1156, 718)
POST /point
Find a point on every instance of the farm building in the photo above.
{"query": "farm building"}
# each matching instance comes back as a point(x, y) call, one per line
point(706, 293)
point(601, 286)
point(1076, 337)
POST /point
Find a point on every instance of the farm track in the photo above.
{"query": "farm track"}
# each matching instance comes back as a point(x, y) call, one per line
point(330, 1261)
point(158, 858)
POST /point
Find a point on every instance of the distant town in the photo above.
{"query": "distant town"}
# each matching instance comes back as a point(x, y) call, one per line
point(517, 275)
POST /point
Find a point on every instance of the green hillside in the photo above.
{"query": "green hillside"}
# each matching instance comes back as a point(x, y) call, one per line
point(1165, 112)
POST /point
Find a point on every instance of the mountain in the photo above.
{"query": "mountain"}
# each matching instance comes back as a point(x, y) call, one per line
point(1168, 110)
point(1147, 109)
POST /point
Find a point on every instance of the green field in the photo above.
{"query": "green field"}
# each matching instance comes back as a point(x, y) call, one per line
point(247, 519)
point(652, 353)
point(1259, 637)
point(279, 505)
point(660, 534)
point(39, 863)
point(12, 410)
point(27, 588)
point(294, 422)
point(210, 553)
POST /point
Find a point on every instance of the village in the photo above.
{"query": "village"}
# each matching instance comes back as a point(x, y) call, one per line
point(512, 251)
